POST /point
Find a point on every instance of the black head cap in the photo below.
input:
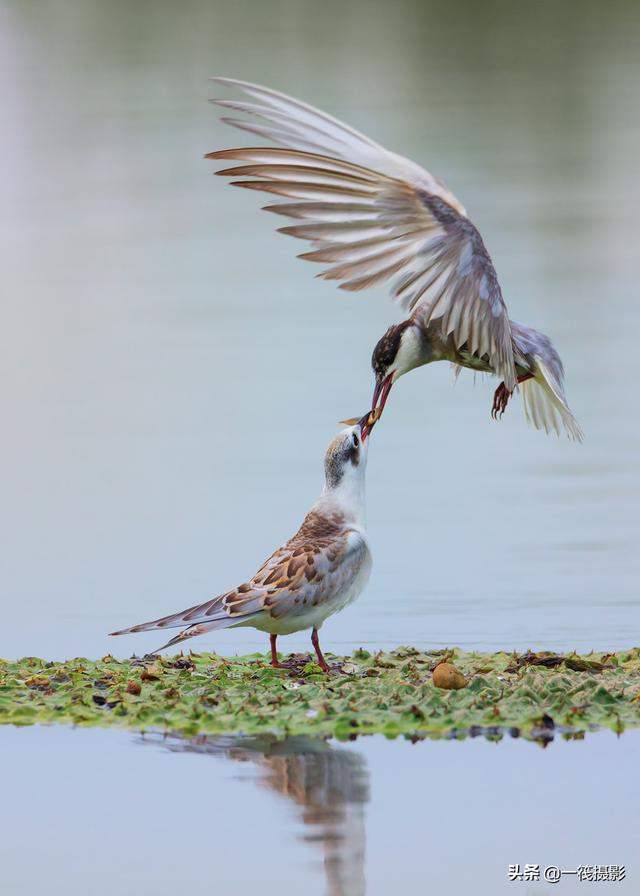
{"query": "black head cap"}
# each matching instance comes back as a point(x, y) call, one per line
point(384, 354)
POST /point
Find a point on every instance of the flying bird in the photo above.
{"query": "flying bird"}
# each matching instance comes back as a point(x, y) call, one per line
point(373, 216)
point(322, 569)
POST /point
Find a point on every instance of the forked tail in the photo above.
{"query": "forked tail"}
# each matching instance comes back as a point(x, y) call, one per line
point(190, 632)
point(545, 404)
point(198, 620)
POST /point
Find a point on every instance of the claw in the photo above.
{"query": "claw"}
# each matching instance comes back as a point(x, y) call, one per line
point(500, 401)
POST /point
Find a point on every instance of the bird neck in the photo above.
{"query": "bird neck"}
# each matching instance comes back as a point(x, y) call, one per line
point(414, 350)
point(346, 498)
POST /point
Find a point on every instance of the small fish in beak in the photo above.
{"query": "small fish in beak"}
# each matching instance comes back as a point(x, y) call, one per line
point(365, 423)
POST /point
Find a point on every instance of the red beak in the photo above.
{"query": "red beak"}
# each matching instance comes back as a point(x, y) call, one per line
point(366, 425)
point(380, 394)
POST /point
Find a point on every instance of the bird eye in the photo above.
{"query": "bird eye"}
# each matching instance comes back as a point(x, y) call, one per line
point(355, 440)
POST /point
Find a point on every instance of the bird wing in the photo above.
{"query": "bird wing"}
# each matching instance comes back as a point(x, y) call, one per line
point(302, 574)
point(373, 216)
point(299, 126)
point(309, 573)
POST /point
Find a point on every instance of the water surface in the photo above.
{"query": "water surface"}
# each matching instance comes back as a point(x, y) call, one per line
point(107, 812)
point(170, 374)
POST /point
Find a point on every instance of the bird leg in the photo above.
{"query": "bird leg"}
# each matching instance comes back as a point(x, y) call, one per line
point(275, 662)
point(502, 395)
point(500, 401)
point(316, 646)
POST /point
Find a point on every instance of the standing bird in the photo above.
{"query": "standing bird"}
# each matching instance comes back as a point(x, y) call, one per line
point(319, 571)
point(371, 216)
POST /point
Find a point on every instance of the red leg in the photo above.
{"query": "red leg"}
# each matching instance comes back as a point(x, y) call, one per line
point(316, 646)
point(500, 401)
point(274, 654)
point(502, 395)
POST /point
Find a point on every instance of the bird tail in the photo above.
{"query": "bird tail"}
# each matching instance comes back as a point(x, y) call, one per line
point(545, 404)
point(198, 628)
point(198, 620)
point(191, 632)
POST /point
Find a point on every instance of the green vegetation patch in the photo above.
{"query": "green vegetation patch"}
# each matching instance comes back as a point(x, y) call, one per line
point(389, 693)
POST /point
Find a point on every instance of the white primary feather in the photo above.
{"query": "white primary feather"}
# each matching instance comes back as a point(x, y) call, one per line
point(291, 122)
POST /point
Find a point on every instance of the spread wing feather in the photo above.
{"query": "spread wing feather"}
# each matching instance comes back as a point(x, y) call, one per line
point(297, 125)
point(372, 216)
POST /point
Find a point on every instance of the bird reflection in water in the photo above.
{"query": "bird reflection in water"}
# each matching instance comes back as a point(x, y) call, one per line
point(330, 785)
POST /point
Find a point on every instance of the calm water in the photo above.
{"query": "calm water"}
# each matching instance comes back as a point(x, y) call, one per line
point(107, 813)
point(170, 376)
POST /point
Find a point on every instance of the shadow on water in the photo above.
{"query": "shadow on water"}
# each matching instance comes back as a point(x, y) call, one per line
point(371, 817)
point(329, 784)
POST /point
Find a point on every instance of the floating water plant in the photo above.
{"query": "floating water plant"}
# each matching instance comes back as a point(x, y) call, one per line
point(388, 693)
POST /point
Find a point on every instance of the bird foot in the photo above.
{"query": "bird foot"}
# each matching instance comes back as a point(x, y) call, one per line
point(278, 665)
point(293, 663)
point(297, 661)
point(500, 401)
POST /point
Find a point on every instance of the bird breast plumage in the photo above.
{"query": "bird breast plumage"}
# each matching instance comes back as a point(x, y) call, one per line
point(302, 584)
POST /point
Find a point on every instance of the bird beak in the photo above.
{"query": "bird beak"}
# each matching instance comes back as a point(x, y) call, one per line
point(365, 423)
point(380, 395)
